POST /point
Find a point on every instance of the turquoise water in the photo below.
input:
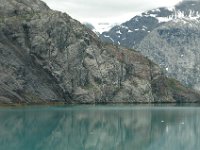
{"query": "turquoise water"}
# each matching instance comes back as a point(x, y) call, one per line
point(108, 127)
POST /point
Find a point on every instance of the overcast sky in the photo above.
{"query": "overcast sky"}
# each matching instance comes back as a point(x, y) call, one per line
point(112, 11)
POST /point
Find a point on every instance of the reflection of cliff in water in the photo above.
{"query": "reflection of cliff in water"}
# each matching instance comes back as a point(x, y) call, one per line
point(100, 128)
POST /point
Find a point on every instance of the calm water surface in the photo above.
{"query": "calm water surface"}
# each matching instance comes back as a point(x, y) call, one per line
point(120, 127)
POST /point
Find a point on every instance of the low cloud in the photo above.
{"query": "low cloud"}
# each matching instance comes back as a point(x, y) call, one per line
point(96, 9)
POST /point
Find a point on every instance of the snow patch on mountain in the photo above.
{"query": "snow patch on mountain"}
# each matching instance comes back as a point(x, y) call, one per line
point(119, 32)
point(164, 19)
point(175, 14)
point(106, 36)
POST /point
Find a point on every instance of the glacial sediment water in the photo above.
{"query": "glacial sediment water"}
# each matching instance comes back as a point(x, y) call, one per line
point(100, 127)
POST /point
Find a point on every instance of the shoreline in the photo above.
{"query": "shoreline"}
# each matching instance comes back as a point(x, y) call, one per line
point(16, 105)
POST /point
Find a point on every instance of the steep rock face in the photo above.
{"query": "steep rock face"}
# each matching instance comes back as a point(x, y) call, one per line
point(48, 56)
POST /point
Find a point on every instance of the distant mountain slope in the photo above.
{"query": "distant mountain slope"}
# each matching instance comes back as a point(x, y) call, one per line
point(46, 56)
point(176, 47)
point(131, 33)
point(168, 36)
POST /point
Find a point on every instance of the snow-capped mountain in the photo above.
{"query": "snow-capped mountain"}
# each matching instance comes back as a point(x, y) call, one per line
point(130, 33)
point(168, 36)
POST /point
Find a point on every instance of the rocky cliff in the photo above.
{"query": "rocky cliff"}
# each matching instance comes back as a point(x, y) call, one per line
point(48, 56)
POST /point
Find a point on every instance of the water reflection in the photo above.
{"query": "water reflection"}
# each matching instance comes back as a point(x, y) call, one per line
point(100, 128)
